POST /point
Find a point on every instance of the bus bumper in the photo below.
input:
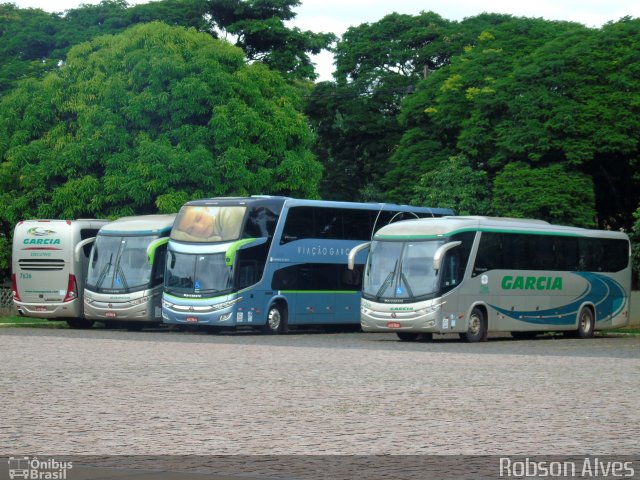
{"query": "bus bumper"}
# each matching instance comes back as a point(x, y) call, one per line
point(50, 311)
point(222, 314)
point(122, 312)
point(427, 319)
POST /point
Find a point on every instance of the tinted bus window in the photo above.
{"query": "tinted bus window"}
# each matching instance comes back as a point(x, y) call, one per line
point(317, 276)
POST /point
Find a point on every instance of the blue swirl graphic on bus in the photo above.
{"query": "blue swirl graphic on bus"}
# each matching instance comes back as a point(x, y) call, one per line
point(604, 293)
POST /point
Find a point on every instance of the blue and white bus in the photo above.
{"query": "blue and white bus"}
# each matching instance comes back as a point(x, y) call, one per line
point(270, 262)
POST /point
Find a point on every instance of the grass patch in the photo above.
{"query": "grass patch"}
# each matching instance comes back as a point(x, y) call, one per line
point(24, 322)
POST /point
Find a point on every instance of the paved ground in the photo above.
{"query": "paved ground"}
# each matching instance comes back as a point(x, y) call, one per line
point(105, 392)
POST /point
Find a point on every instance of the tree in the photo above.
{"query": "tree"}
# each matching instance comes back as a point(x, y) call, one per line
point(260, 30)
point(457, 185)
point(142, 121)
point(548, 193)
point(537, 94)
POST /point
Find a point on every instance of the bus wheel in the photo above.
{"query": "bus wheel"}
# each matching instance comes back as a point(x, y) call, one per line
point(407, 336)
point(477, 330)
point(276, 320)
point(80, 323)
point(586, 324)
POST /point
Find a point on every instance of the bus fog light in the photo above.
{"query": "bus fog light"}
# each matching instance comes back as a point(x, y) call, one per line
point(225, 317)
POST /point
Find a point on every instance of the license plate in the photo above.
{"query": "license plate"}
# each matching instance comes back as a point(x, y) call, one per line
point(41, 309)
point(192, 319)
point(110, 315)
point(393, 324)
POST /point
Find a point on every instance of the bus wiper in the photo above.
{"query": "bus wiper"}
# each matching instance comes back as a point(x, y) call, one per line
point(406, 283)
point(104, 271)
point(387, 281)
point(120, 270)
point(122, 277)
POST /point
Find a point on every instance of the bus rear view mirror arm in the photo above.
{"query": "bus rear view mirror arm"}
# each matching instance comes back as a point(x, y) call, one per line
point(351, 261)
point(441, 251)
point(80, 245)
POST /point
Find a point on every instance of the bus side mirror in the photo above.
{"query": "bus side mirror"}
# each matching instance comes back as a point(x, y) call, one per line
point(351, 259)
point(153, 246)
point(80, 245)
point(441, 251)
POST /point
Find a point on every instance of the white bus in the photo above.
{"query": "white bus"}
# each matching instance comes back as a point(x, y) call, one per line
point(49, 265)
point(475, 275)
point(124, 286)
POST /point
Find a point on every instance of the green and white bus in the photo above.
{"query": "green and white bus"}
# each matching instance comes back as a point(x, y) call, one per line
point(475, 275)
point(124, 284)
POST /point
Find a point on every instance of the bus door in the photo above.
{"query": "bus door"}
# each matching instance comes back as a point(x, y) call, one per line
point(309, 298)
point(315, 302)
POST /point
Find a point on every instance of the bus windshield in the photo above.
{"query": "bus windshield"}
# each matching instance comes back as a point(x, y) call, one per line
point(402, 270)
point(198, 273)
point(119, 263)
point(206, 224)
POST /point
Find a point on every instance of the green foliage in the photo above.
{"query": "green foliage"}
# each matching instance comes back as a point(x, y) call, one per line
point(5, 257)
point(549, 193)
point(635, 245)
point(457, 185)
point(540, 95)
point(259, 26)
point(142, 121)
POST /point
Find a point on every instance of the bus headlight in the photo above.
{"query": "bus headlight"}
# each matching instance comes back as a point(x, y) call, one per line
point(138, 301)
point(166, 304)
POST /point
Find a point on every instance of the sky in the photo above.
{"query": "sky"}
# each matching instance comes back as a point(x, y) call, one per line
point(338, 15)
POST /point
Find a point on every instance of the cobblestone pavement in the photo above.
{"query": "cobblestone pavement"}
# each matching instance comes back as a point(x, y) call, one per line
point(106, 392)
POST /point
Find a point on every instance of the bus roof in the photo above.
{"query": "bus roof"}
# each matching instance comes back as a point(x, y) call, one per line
point(315, 203)
point(446, 226)
point(139, 225)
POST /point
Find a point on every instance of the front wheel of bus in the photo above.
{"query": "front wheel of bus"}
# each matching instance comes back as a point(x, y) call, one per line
point(276, 320)
point(477, 330)
point(586, 324)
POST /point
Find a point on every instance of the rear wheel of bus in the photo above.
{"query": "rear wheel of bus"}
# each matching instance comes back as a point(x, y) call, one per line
point(586, 325)
point(276, 320)
point(477, 330)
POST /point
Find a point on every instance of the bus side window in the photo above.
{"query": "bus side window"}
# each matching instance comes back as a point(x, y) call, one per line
point(160, 263)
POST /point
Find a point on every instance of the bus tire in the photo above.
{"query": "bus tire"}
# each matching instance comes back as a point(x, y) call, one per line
point(407, 336)
point(586, 323)
point(477, 330)
point(80, 323)
point(276, 320)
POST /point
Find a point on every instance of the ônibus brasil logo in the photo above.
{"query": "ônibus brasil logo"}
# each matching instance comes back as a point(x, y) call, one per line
point(32, 468)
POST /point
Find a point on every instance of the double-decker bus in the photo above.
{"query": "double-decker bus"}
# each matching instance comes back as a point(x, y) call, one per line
point(270, 262)
point(49, 267)
point(475, 275)
point(124, 282)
